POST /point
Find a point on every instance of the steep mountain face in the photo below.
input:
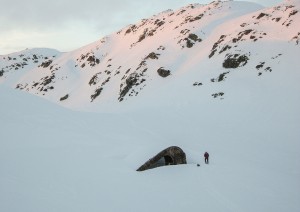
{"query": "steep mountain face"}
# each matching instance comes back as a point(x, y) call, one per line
point(192, 52)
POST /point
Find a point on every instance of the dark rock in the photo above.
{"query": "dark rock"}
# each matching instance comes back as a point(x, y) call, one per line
point(151, 33)
point(293, 13)
point(197, 84)
point(142, 63)
point(170, 156)
point(46, 63)
point(234, 61)
point(128, 31)
point(221, 77)
point(261, 15)
point(64, 97)
point(198, 17)
point(163, 72)
point(189, 44)
point(159, 22)
point(194, 37)
point(152, 55)
point(184, 31)
point(191, 39)
point(216, 44)
point(94, 79)
point(130, 82)
point(260, 65)
point(132, 79)
point(48, 79)
point(215, 95)
point(96, 94)
point(105, 81)
point(268, 69)
point(225, 48)
point(143, 36)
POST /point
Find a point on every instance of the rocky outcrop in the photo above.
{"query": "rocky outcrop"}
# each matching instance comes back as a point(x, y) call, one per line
point(64, 97)
point(45, 64)
point(152, 56)
point(163, 72)
point(170, 156)
point(130, 82)
point(96, 94)
point(234, 61)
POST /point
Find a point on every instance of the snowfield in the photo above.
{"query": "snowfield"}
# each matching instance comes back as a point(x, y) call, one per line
point(54, 159)
point(83, 156)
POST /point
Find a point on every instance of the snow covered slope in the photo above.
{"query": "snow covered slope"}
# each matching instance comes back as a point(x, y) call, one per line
point(222, 78)
point(54, 159)
point(194, 50)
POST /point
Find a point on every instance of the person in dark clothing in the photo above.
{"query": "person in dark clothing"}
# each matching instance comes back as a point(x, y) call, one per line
point(206, 156)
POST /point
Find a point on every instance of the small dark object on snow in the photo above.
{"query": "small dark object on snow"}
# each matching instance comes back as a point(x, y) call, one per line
point(64, 97)
point(171, 156)
point(206, 156)
point(163, 72)
point(198, 164)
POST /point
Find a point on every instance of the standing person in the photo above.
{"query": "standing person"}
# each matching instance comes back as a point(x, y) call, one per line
point(206, 156)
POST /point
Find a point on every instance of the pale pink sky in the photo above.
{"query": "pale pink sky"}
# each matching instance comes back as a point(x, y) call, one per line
point(69, 24)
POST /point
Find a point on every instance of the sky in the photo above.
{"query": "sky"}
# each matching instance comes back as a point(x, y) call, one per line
point(66, 25)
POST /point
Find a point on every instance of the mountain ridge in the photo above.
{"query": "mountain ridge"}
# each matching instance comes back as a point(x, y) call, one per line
point(155, 53)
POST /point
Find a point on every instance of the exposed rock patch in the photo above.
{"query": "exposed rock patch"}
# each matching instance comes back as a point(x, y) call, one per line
point(46, 64)
point(131, 81)
point(261, 15)
point(88, 58)
point(96, 94)
point(152, 56)
point(163, 72)
point(215, 46)
point(220, 94)
point(170, 156)
point(197, 84)
point(189, 41)
point(64, 97)
point(235, 61)
point(296, 38)
point(220, 78)
point(94, 80)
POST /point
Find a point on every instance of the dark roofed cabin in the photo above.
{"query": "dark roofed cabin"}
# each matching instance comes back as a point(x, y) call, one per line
point(170, 156)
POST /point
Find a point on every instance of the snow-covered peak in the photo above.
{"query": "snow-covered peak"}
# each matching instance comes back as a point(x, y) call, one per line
point(163, 53)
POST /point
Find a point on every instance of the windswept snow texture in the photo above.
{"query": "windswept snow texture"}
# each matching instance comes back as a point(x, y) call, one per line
point(222, 78)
